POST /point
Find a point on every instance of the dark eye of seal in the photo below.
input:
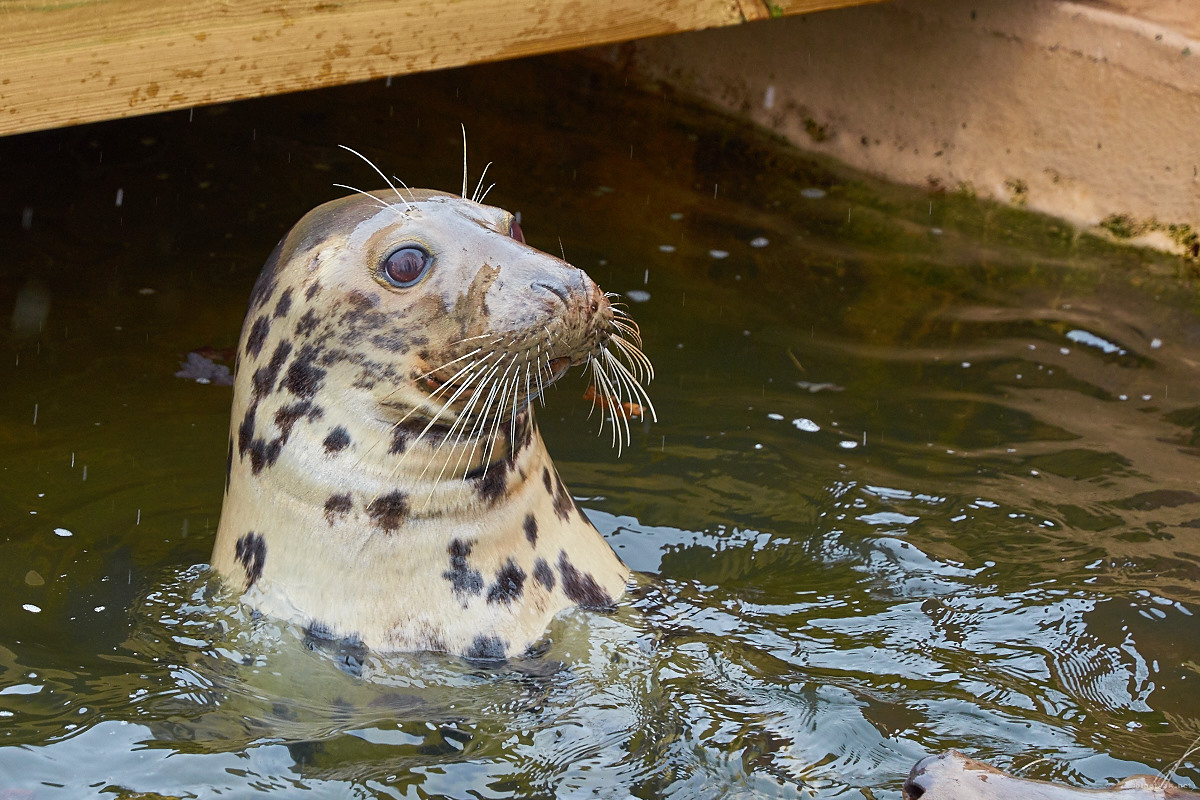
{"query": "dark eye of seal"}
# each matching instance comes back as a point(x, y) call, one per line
point(514, 230)
point(405, 266)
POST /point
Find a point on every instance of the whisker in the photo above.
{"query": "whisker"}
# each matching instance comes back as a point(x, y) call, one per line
point(478, 186)
point(380, 172)
point(464, 191)
point(378, 202)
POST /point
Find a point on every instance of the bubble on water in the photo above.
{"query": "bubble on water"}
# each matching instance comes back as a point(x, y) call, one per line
point(638, 295)
point(719, 254)
point(774, 416)
point(758, 446)
point(805, 424)
point(666, 248)
point(1155, 343)
point(812, 193)
point(759, 241)
point(676, 216)
point(848, 444)
point(936, 231)
point(1066, 351)
point(62, 532)
point(966, 364)
point(31, 608)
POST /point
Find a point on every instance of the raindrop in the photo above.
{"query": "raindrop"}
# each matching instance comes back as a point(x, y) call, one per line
point(812, 193)
point(638, 295)
point(120, 197)
point(666, 248)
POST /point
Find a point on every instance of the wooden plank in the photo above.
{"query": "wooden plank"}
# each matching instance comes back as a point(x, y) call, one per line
point(64, 62)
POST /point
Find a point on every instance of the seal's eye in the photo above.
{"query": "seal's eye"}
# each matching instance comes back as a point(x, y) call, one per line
point(515, 231)
point(405, 266)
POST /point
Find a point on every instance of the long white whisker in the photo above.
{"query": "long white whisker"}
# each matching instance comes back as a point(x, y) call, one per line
point(385, 177)
point(464, 191)
point(637, 389)
point(478, 186)
point(378, 201)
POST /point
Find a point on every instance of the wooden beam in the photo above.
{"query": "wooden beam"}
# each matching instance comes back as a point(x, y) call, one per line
point(65, 62)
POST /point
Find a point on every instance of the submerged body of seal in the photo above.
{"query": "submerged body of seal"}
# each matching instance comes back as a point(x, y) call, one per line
point(386, 480)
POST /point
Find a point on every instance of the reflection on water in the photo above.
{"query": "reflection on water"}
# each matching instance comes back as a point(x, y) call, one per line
point(925, 475)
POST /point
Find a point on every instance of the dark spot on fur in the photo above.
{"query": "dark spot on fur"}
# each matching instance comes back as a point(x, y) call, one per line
point(543, 574)
point(488, 648)
point(399, 440)
point(264, 454)
point(304, 377)
point(524, 434)
point(362, 302)
point(286, 416)
point(246, 430)
point(285, 303)
point(463, 579)
point(580, 587)
point(338, 439)
point(510, 583)
point(337, 507)
point(531, 529)
point(546, 480)
point(229, 464)
point(491, 484)
point(307, 323)
point(563, 502)
point(312, 290)
point(264, 377)
point(388, 512)
point(396, 341)
point(251, 553)
point(258, 335)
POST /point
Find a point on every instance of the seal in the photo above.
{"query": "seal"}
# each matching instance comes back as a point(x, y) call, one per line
point(386, 481)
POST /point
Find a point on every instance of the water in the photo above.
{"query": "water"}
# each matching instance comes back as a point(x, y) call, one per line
point(924, 476)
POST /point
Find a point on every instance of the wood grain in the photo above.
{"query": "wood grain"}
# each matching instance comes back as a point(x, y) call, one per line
point(65, 62)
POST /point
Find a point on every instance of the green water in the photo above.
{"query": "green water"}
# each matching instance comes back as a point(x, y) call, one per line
point(924, 476)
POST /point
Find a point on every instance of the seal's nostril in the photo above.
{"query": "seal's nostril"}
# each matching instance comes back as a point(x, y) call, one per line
point(559, 291)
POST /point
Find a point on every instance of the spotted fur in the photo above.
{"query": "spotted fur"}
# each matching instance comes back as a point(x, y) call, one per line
point(354, 506)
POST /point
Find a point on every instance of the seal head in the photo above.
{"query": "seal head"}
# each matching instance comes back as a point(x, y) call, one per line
point(386, 479)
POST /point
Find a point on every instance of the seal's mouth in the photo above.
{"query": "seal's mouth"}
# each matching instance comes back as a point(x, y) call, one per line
point(556, 368)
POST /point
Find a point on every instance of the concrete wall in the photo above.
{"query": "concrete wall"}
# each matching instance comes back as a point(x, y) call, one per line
point(1086, 110)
